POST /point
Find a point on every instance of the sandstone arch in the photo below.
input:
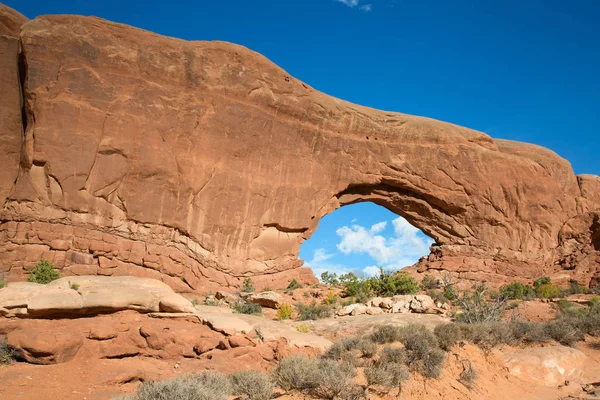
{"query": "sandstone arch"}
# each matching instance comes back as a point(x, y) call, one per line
point(200, 163)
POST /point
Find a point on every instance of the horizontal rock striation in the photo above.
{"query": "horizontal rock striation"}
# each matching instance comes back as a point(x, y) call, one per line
point(201, 163)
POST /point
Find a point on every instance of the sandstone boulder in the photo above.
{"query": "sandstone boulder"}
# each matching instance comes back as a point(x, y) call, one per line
point(374, 311)
point(266, 299)
point(227, 297)
point(422, 304)
point(549, 366)
point(359, 309)
point(401, 306)
point(91, 295)
point(347, 310)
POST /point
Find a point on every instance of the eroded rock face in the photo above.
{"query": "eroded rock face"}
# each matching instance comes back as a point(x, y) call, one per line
point(200, 163)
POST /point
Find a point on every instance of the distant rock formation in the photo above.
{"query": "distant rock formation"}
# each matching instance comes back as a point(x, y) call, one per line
point(201, 163)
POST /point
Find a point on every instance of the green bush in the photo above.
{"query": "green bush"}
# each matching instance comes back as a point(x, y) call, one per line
point(563, 331)
point(541, 281)
point(339, 348)
point(294, 284)
point(516, 291)
point(528, 332)
point(285, 311)
point(429, 282)
point(43, 273)
point(388, 284)
point(330, 278)
point(246, 307)
point(449, 288)
point(447, 335)
point(547, 290)
point(313, 311)
point(207, 385)
point(251, 385)
point(248, 286)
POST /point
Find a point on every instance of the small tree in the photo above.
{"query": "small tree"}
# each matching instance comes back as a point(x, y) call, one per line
point(330, 278)
point(43, 273)
point(248, 286)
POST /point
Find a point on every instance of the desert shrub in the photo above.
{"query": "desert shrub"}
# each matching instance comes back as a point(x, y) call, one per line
point(75, 286)
point(251, 385)
point(492, 334)
point(429, 282)
point(386, 334)
point(437, 296)
point(476, 308)
point(334, 378)
point(430, 365)
point(284, 311)
point(331, 299)
point(248, 286)
point(468, 375)
point(6, 352)
point(447, 335)
point(2, 281)
point(575, 288)
point(297, 372)
point(207, 385)
point(337, 350)
point(294, 284)
point(449, 288)
point(516, 291)
point(388, 375)
point(366, 347)
point(563, 331)
point(303, 328)
point(391, 354)
point(422, 352)
point(528, 332)
point(246, 307)
point(43, 273)
point(313, 311)
point(548, 290)
point(389, 284)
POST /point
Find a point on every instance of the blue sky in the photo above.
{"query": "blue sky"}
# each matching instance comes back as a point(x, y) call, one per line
point(522, 70)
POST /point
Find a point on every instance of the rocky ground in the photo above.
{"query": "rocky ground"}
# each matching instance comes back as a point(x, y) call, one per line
point(72, 353)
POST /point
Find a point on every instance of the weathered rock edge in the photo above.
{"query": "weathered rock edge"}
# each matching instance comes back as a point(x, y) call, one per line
point(200, 163)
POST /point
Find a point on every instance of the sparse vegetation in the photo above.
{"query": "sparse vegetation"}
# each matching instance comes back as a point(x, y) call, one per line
point(2, 281)
point(449, 288)
point(75, 286)
point(207, 385)
point(294, 284)
point(303, 328)
point(284, 311)
point(43, 273)
point(429, 282)
point(251, 385)
point(331, 299)
point(248, 286)
point(313, 311)
point(6, 352)
point(296, 373)
point(246, 307)
point(386, 334)
point(447, 335)
point(476, 308)
point(468, 375)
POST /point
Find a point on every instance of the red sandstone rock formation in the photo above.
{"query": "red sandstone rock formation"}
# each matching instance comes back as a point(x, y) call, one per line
point(200, 163)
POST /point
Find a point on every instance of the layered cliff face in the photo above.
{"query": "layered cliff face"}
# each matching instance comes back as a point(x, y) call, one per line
point(200, 163)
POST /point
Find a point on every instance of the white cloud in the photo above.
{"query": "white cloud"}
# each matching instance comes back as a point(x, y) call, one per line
point(319, 263)
point(395, 252)
point(378, 227)
point(371, 270)
point(355, 3)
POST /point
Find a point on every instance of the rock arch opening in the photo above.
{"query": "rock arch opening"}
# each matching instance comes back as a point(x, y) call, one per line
point(361, 237)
